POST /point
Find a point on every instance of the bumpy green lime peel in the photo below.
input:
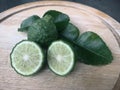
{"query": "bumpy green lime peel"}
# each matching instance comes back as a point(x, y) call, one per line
point(71, 32)
point(61, 20)
point(93, 50)
point(43, 31)
point(27, 23)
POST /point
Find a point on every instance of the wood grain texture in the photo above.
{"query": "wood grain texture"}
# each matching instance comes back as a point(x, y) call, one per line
point(84, 77)
point(117, 85)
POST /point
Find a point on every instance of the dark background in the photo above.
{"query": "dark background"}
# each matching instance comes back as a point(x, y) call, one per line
point(110, 7)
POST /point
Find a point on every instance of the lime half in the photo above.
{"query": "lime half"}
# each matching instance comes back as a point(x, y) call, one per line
point(60, 58)
point(26, 58)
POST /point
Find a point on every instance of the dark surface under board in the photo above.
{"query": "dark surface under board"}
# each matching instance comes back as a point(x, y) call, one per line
point(110, 7)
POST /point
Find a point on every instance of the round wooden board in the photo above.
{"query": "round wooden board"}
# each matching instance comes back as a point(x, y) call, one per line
point(84, 77)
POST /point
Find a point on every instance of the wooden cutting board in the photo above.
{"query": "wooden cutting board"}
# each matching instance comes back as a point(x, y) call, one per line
point(84, 77)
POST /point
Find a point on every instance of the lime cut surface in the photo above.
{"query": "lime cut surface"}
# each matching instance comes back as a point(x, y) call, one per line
point(26, 58)
point(60, 58)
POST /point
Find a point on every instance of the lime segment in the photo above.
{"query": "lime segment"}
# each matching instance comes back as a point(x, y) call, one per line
point(26, 57)
point(60, 58)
